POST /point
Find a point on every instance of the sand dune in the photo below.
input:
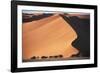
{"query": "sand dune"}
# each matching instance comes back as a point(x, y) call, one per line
point(47, 37)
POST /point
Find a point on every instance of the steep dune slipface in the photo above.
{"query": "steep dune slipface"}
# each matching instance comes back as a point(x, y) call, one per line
point(47, 37)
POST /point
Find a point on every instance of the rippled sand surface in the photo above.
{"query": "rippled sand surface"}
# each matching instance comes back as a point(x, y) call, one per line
point(47, 37)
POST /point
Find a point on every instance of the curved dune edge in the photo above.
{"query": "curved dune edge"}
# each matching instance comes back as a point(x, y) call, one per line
point(47, 37)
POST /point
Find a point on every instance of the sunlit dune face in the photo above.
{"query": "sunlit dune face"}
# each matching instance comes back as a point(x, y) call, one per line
point(48, 37)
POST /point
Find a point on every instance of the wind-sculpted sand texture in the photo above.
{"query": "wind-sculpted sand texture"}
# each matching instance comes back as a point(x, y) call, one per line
point(49, 36)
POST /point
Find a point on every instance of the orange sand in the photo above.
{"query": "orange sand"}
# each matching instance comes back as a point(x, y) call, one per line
point(47, 37)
